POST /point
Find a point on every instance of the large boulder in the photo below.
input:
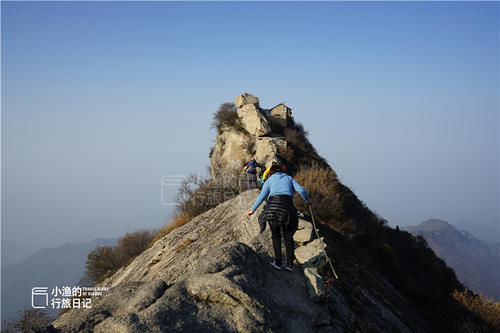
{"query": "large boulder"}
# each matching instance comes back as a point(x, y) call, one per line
point(314, 284)
point(246, 98)
point(303, 224)
point(253, 121)
point(267, 148)
point(231, 151)
point(230, 288)
point(302, 236)
point(309, 253)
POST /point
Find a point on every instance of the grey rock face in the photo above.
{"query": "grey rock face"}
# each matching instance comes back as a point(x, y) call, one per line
point(254, 138)
point(222, 281)
point(303, 236)
point(231, 150)
point(213, 274)
point(246, 98)
point(253, 120)
point(309, 252)
point(231, 288)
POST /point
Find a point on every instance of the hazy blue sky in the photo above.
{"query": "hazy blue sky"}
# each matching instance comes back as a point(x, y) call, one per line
point(100, 100)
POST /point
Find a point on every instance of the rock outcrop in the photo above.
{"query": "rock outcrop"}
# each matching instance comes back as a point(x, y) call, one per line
point(236, 145)
point(212, 274)
point(253, 120)
point(246, 99)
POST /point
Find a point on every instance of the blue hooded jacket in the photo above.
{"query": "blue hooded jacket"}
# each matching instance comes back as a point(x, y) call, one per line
point(279, 183)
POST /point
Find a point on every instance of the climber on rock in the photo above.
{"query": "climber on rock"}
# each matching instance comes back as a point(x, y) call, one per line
point(266, 173)
point(251, 169)
point(280, 212)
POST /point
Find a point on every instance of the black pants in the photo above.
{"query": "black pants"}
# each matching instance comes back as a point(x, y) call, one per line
point(277, 231)
point(283, 220)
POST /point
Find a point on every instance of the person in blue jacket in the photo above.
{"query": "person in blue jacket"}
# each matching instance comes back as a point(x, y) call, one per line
point(251, 169)
point(280, 212)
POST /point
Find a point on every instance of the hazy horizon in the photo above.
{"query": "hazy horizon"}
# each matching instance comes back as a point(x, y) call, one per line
point(100, 100)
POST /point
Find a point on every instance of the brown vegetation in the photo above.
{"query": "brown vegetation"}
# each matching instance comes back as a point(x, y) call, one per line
point(177, 222)
point(227, 116)
point(334, 203)
point(196, 194)
point(103, 261)
point(404, 260)
point(486, 309)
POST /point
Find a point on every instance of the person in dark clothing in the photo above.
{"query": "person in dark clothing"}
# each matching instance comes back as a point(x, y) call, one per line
point(251, 169)
point(280, 212)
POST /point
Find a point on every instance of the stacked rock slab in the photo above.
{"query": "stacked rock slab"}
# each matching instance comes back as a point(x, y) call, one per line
point(310, 254)
point(304, 232)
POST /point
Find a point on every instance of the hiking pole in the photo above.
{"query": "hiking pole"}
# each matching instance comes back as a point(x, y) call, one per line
point(322, 244)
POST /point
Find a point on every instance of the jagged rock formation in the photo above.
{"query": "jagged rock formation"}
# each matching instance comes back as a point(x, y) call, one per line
point(212, 274)
point(246, 99)
point(235, 145)
point(253, 120)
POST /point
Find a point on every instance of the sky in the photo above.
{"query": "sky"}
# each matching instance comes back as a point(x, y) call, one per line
point(100, 100)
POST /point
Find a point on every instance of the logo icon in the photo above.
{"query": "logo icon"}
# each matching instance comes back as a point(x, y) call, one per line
point(39, 297)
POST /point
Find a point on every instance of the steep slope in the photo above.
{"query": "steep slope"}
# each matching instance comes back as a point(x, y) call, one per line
point(476, 263)
point(212, 274)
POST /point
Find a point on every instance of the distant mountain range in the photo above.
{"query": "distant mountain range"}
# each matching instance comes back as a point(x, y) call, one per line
point(58, 266)
point(476, 263)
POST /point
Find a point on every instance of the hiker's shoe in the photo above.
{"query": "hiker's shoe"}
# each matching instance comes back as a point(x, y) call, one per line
point(289, 268)
point(273, 263)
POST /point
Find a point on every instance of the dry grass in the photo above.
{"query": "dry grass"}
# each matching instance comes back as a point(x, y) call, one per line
point(184, 244)
point(177, 222)
point(334, 203)
point(104, 261)
point(296, 136)
point(320, 185)
point(487, 309)
point(196, 194)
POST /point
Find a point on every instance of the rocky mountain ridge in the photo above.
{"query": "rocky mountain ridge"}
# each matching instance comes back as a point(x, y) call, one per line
point(212, 273)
